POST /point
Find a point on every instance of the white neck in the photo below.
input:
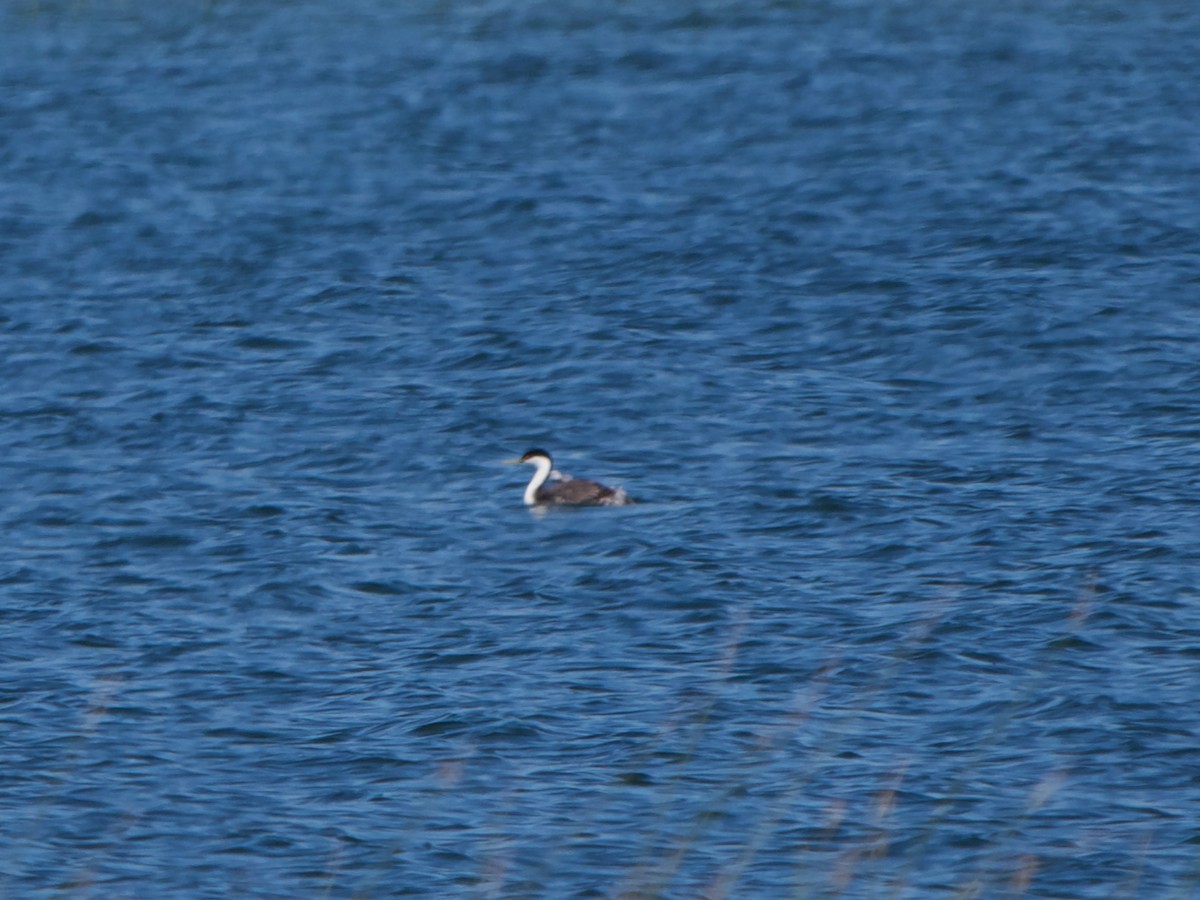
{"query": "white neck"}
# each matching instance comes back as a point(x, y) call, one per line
point(538, 479)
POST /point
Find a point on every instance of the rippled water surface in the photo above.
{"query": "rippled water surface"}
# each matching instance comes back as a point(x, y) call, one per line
point(888, 312)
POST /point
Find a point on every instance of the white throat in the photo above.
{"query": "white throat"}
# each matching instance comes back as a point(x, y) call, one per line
point(538, 479)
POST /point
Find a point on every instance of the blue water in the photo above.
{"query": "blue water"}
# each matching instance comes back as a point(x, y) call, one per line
point(888, 312)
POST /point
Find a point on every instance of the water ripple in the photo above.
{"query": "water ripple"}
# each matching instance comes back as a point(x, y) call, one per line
point(884, 320)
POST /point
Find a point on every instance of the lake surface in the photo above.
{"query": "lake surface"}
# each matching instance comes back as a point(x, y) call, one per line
point(887, 312)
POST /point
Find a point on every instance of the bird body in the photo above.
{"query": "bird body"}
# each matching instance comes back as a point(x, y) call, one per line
point(549, 488)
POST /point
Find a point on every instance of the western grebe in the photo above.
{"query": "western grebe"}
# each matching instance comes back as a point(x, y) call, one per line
point(563, 489)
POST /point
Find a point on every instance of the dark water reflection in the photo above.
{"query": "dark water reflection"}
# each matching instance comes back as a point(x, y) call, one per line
point(885, 312)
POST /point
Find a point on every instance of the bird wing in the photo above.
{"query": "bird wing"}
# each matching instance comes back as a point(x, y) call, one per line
point(577, 490)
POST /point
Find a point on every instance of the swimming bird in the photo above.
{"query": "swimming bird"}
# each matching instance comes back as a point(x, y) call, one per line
point(563, 489)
